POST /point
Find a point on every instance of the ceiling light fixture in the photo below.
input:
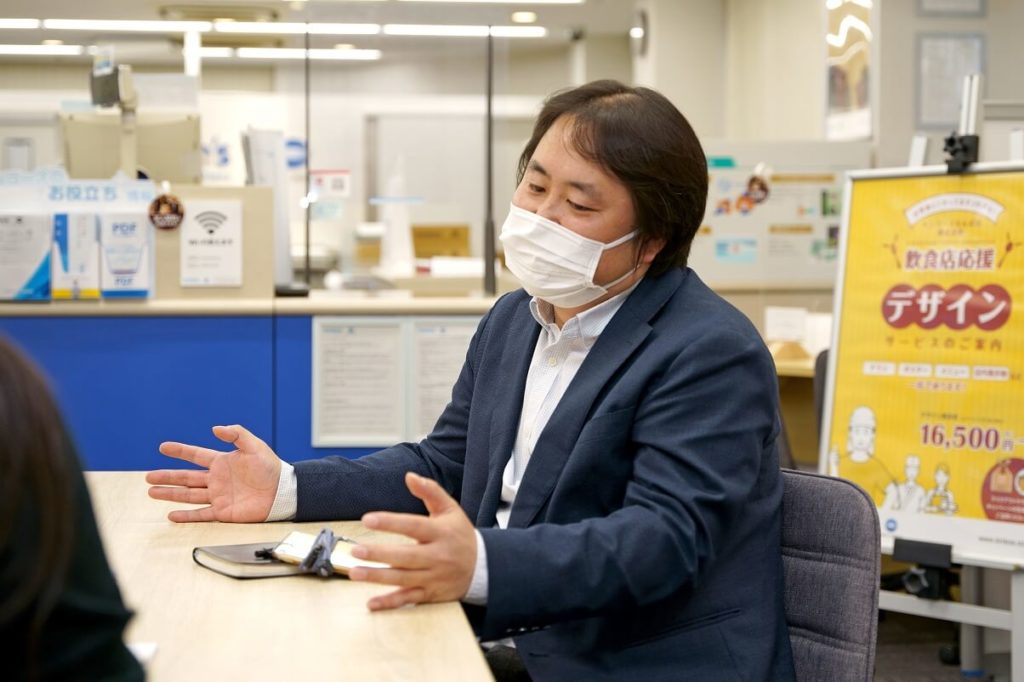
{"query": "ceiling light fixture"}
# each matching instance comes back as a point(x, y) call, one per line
point(299, 53)
point(216, 52)
point(509, 2)
point(518, 31)
point(127, 26)
point(435, 30)
point(19, 23)
point(464, 31)
point(42, 50)
point(524, 17)
point(296, 28)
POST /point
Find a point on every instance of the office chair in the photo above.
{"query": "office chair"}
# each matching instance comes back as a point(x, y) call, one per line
point(830, 555)
point(820, 376)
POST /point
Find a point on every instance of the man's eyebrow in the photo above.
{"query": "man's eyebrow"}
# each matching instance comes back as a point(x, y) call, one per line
point(585, 187)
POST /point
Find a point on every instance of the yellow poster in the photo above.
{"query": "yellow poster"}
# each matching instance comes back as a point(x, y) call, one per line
point(927, 412)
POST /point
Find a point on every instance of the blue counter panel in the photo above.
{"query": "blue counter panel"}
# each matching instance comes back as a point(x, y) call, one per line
point(127, 383)
point(293, 394)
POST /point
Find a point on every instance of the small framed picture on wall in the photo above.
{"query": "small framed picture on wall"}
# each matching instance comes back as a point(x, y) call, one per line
point(951, 8)
point(943, 59)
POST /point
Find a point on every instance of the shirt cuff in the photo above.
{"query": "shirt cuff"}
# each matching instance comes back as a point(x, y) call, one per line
point(477, 593)
point(287, 500)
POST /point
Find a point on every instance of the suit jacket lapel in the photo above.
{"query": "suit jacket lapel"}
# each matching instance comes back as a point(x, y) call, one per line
point(626, 331)
point(520, 342)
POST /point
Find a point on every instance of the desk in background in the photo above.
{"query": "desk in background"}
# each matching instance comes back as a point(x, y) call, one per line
point(796, 400)
point(207, 626)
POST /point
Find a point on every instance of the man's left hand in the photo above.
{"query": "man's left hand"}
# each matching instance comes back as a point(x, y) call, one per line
point(438, 568)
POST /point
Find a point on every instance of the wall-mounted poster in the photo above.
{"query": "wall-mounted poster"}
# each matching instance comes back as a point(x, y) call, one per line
point(943, 60)
point(769, 230)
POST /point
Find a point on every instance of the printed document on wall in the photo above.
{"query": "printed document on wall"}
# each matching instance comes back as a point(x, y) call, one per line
point(358, 381)
point(438, 356)
point(211, 244)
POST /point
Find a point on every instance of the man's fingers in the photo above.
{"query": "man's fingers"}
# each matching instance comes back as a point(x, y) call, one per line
point(190, 453)
point(387, 576)
point(186, 495)
point(239, 436)
point(398, 556)
point(436, 499)
point(192, 515)
point(189, 478)
point(412, 525)
point(398, 598)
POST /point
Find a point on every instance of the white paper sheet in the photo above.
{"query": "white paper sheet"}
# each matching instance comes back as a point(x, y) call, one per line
point(211, 244)
point(439, 348)
point(358, 382)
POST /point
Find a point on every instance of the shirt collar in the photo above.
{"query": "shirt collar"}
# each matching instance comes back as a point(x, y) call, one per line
point(587, 325)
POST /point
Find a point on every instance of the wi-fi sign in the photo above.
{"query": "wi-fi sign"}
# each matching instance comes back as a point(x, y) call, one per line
point(211, 220)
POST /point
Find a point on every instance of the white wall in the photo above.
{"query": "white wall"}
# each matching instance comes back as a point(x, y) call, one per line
point(685, 59)
point(775, 73)
point(598, 57)
point(897, 29)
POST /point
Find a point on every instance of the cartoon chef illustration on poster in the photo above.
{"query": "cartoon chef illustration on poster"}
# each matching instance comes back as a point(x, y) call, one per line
point(859, 464)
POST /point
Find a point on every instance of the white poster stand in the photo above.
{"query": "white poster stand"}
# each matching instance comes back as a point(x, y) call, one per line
point(897, 379)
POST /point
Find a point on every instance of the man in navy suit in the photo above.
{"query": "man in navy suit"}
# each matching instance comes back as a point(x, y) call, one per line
point(603, 488)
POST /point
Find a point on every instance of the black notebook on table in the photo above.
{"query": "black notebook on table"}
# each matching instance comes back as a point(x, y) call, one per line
point(276, 558)
point(241, 561)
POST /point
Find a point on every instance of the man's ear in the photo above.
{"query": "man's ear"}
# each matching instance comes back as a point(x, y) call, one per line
point(651, 250)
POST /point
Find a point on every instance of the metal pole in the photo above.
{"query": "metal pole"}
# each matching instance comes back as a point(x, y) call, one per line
point(971, 642)
point(308, 150)
point(1017, 629)
point(490, 284)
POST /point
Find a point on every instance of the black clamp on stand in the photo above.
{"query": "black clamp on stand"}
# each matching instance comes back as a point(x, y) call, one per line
point(961, 151)
point(931, 578)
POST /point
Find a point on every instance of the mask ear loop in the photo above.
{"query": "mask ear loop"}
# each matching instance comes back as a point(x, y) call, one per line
point(611, 245)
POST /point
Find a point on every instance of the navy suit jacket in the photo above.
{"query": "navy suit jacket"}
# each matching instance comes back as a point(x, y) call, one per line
point(644, 540)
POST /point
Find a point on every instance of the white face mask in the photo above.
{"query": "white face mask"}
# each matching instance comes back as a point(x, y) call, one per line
point(554, 263)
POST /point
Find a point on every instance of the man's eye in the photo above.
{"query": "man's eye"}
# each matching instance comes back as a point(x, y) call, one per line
point(535, 188)
point(579, 207)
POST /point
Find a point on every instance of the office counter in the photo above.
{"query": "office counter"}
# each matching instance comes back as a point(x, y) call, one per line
point(210, 627)
point(129, 375)
point(292, 306)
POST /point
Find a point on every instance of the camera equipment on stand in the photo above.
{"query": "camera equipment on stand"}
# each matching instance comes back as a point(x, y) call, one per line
point(962, 146)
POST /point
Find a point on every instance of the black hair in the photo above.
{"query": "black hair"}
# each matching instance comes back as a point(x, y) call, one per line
point(35, 474)
point(641, 138)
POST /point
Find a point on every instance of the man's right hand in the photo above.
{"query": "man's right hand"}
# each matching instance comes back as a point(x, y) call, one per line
point(239, 486)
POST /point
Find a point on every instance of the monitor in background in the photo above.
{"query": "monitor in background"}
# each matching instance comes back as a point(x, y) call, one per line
point(168, 145)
